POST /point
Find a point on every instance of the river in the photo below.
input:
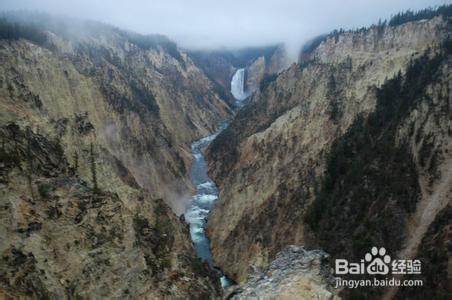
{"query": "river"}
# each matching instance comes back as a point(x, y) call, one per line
point(206, 190)
point(203, 201)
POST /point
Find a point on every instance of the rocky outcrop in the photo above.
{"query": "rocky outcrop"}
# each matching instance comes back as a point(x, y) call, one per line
point(265, 66)
point(219, 67)
point(95, 129)
point(254, 74)
point(295, 273)
point(304, 162)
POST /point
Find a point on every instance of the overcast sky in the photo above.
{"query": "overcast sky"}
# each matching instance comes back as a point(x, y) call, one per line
point(232, 23)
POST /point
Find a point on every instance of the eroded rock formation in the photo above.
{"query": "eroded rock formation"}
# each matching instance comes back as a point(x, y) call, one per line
point(341, 151)
point(296, 273)
point(95, 128)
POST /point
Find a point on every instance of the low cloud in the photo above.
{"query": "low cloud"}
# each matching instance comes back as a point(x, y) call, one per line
point(233, 23)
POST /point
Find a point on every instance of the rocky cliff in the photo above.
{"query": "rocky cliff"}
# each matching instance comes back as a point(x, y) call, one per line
point(341, 151)
point(62, 238)
point(137, 97)
point(265, 67)
point(96, 125)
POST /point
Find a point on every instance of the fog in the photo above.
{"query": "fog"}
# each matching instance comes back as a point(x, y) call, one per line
point(198, 24)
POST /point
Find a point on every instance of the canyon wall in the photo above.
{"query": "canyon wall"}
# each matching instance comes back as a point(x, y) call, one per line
point(96, 125)
point(265, 67)
point(342, 151)
point(140, 101)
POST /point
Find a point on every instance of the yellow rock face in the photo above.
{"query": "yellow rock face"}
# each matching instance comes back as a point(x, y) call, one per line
point(95, 132)
point(277, 147)
point(145, 106)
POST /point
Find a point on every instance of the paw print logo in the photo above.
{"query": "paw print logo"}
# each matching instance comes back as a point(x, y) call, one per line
point(378, 261)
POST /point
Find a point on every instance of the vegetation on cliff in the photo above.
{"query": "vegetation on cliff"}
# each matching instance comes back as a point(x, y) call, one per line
point(434, 255)
point(333, 154)
point(95, 129)
point(371, 181)
point(400, 18)
point(59, 222)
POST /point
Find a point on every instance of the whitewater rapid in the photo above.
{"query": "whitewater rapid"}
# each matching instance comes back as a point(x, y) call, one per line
point(203, 201)
point(206, 190)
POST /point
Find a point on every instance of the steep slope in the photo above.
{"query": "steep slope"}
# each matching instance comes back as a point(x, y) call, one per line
point(282, 180)
point(96, 126)
point(63, 239)
point(264, 67)
point(141, 99)
point(434, 252)
point(402, 152)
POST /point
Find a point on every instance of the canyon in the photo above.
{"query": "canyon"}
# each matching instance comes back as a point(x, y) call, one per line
point(348, 149)
point(96, 127)
point(131, 168)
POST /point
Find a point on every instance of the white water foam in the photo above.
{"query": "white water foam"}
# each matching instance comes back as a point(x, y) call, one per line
point(202, 201)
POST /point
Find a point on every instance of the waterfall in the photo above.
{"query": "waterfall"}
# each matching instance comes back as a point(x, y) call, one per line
point(238, 86)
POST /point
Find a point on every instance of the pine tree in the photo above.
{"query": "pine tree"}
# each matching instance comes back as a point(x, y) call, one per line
point(93, 169)
point(29, 162)
point(75, 157)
